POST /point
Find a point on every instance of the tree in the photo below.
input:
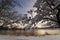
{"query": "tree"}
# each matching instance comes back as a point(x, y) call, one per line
point(7, 14)
point(47, 10)
point(9, 18)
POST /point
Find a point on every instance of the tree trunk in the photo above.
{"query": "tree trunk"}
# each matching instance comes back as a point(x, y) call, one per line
point(58, 18)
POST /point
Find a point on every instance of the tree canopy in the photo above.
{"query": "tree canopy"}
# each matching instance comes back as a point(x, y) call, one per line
point(48, 10)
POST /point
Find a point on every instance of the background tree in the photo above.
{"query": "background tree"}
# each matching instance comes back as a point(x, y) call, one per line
point(7, 13)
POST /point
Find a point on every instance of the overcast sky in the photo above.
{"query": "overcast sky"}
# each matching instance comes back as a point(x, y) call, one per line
point(27, 5)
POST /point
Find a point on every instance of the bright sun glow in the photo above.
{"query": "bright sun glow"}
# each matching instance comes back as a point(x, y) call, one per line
point(42, 25)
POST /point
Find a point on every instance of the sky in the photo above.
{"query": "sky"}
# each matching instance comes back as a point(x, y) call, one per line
point(26, 6)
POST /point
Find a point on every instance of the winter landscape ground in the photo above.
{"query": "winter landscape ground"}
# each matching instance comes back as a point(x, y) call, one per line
point(30, 35)
point(46, 37)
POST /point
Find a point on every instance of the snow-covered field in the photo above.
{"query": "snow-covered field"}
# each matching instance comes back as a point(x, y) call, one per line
point(46, 37)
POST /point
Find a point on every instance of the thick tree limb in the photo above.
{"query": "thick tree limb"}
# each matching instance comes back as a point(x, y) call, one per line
point(51, 19)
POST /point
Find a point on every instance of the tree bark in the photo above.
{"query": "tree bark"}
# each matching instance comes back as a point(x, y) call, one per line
point(58, 18)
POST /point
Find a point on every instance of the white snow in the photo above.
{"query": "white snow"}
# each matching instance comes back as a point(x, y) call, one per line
point(46, 37)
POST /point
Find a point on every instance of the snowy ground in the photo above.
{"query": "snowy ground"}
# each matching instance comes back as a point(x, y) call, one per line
point(46, 37)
